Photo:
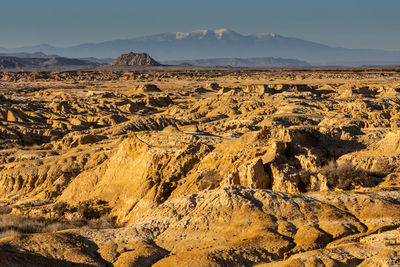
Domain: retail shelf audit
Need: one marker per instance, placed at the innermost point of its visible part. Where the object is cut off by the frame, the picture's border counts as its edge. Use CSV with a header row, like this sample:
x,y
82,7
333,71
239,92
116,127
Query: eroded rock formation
x,y
135,59
201,167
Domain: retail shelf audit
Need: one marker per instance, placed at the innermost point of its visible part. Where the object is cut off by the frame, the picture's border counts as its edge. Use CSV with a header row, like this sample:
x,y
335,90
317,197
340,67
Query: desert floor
x,y
200,167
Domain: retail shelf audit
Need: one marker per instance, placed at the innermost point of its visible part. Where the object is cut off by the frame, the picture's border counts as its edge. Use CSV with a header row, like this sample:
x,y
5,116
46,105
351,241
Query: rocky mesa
x,y
135,59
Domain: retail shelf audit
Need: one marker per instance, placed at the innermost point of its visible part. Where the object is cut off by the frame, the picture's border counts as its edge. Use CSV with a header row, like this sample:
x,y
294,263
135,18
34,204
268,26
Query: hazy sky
x,y
346,23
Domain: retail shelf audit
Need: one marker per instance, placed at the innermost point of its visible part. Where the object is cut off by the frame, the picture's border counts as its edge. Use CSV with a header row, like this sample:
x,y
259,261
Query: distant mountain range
x,y
12,62
267,62
40,60
222,43
27,55
42,55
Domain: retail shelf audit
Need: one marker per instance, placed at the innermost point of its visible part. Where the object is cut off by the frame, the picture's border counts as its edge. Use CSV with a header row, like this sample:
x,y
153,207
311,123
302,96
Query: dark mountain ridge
x,y
266,62
8,62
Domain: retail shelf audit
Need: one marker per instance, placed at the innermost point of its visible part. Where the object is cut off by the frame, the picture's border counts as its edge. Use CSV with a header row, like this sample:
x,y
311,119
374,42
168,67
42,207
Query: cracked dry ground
x,y
200,168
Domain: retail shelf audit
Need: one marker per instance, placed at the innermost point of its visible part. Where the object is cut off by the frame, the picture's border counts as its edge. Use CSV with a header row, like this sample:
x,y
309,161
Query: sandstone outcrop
x,y
135,59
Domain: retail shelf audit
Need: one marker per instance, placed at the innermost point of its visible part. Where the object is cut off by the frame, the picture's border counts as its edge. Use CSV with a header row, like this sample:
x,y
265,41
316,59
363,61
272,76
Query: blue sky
x,y
346,23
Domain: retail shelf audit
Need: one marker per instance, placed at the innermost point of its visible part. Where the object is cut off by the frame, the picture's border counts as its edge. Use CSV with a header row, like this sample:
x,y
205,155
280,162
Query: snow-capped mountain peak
x,y
267,35
221,32
201,34
181,35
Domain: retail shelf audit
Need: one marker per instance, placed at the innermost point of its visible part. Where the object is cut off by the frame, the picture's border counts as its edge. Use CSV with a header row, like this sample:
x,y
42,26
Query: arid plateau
x,y
190,166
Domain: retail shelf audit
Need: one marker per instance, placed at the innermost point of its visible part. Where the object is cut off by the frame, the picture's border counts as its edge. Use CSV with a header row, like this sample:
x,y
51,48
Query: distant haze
x,y
344,23
223,43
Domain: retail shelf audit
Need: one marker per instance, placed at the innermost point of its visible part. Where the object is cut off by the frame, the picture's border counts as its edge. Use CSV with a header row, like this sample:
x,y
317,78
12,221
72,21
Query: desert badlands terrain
x,y
200,167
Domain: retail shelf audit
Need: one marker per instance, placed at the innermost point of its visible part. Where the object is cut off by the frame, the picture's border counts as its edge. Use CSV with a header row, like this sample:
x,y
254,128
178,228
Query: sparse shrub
x,y
60,208
5,209
91,211
344,176
91,215
8,233
103,222
20,224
